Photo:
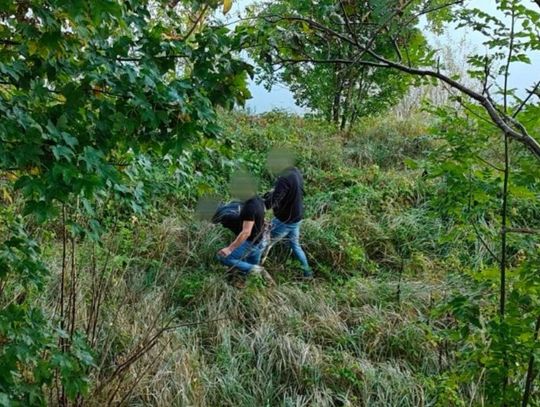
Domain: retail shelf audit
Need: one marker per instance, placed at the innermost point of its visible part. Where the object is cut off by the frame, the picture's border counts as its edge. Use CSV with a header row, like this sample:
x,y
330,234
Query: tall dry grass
x,y
167,329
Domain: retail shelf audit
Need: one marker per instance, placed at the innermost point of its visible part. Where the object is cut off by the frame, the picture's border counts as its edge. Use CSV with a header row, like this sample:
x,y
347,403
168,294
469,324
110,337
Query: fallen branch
x,y
523,230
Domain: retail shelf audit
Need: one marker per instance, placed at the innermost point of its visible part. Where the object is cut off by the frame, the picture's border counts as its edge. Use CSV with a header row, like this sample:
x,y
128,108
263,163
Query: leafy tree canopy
x,y
85,88
383,34
83,83
316,63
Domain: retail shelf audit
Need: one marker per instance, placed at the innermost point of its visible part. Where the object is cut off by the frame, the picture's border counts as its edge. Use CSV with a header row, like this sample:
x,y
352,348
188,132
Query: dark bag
x,y
228,215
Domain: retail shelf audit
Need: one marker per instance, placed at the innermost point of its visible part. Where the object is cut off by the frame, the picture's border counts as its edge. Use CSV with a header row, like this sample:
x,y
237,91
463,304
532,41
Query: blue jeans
x,y
244,257
290,232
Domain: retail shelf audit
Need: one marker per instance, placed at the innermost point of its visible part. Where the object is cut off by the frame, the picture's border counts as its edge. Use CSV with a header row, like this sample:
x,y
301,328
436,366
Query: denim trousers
x,y
244,257
291,233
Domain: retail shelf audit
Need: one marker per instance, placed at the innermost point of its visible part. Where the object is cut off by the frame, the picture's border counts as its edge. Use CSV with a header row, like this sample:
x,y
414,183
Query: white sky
x,y
522,75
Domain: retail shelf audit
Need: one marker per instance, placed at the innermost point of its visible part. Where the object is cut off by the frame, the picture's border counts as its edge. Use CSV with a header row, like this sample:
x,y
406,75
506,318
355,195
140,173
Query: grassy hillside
x,y
166,329
118,117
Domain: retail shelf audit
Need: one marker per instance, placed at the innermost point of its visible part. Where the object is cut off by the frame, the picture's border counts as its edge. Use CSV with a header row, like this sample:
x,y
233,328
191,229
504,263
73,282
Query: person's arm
x,y
247,226
274,198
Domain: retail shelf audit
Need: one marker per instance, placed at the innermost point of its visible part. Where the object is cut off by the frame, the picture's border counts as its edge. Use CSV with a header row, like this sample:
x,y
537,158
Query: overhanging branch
x,y
506,123
501,121
326,61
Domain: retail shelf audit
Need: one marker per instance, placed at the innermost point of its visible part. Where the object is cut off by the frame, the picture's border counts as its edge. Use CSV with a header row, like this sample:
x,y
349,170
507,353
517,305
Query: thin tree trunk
x,y
64,265
61,396
336,104
504,215
530,370
509,58
73,294
398,291
346,107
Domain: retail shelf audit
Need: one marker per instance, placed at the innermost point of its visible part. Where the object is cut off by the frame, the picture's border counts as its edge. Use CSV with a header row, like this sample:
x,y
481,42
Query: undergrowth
x,y
367,332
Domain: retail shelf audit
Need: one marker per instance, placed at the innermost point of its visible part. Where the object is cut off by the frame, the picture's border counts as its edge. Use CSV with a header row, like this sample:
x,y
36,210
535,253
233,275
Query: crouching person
x,y
244,253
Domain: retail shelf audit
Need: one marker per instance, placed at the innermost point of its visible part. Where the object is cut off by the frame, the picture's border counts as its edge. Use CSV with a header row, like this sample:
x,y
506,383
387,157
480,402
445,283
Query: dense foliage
x,y
510,33
317,65
85,88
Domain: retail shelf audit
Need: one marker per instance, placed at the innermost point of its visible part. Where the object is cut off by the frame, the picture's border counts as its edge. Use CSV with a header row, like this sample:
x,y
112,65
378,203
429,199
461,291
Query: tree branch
x,y
509,58
396,47
483,242
489,164
326,61
500,120
432,10
138,59
526,231
526,100
346,16
313,24
196,23
9,42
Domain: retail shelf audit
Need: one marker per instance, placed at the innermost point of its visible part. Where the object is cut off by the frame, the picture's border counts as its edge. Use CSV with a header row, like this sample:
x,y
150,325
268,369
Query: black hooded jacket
x,y
286,199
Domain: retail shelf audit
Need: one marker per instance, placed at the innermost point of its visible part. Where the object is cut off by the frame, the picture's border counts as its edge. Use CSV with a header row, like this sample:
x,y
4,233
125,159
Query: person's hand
x,y
225,252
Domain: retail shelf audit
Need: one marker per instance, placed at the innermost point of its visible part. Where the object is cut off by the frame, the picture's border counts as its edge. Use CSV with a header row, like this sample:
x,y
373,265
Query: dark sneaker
x,y
231,275
239,282
308,275
234,277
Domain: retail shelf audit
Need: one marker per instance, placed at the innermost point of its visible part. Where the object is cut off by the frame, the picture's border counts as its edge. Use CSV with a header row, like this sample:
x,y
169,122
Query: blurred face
x,y
206,207
243,186
279,159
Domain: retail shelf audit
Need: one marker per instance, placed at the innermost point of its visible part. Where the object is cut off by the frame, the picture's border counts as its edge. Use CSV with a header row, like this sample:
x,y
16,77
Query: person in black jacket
x,y
286,201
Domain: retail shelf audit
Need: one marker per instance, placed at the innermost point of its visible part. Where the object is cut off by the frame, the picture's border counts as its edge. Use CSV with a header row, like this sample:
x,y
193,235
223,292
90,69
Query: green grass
x,y
345,339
